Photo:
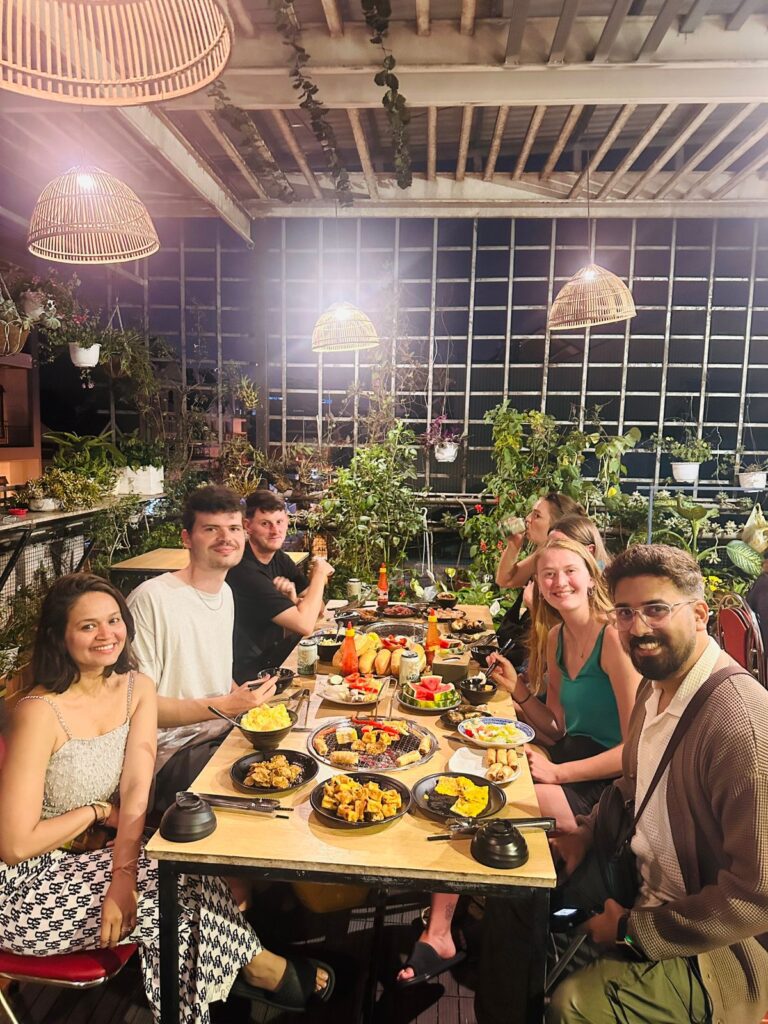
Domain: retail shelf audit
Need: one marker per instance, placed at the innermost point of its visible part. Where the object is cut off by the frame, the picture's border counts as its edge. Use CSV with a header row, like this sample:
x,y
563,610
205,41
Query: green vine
x,y
377,14
255,151
321,127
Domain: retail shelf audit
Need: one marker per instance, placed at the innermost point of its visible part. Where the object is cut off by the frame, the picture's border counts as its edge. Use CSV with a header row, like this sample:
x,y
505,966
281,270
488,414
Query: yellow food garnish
x,y
266,718
472,799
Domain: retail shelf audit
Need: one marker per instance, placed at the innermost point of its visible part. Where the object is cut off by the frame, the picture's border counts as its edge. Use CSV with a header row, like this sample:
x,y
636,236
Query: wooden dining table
x,y
302,847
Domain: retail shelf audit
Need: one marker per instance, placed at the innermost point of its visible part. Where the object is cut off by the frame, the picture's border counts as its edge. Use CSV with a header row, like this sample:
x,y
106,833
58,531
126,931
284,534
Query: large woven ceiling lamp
x,y
593,295
111,52
88,216
343,328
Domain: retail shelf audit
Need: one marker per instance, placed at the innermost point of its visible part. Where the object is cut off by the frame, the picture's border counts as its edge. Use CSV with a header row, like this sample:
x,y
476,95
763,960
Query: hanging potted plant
x,y
25,304
752,477
444,441
686,455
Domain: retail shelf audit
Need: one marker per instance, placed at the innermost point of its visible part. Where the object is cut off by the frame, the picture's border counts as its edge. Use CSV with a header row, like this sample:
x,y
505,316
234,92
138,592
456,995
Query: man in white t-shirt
x,y
184,626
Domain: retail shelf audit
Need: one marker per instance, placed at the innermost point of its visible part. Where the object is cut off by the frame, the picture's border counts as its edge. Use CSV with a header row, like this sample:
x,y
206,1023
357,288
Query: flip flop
x,y
426,963
295,990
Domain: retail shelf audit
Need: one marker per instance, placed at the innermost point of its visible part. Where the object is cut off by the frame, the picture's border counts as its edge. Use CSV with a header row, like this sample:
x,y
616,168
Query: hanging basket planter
x,y
753,481
12,339
446,451
84,358
686,472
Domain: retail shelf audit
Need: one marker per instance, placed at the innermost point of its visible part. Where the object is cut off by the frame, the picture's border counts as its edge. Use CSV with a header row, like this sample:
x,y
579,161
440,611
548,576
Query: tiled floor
x,y
343,939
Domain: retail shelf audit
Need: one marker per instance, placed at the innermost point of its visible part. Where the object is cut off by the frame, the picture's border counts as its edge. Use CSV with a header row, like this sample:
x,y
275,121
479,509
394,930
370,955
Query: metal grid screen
x,y
468,301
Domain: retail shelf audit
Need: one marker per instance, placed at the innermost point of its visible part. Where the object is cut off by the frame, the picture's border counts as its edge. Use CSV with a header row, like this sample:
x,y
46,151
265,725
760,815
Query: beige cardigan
x,y
717,796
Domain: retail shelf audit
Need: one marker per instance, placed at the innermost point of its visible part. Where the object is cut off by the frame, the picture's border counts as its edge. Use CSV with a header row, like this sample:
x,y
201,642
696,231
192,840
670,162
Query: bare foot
x,y
443,945
267,971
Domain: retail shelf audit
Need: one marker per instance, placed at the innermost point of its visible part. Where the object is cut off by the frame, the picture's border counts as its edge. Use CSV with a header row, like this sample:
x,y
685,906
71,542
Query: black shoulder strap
x,y
692,709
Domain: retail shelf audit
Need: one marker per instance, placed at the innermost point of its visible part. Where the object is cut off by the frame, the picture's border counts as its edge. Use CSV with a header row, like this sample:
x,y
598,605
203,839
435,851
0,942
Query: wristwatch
x,y
626,941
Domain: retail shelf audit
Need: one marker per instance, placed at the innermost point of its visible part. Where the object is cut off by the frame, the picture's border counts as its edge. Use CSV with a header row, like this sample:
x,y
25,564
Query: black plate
x,y
316,799
472,713
496,797
239,770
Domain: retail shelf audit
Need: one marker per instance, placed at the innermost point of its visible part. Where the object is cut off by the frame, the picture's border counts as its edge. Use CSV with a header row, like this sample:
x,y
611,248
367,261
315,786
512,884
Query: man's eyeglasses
x,y
655,614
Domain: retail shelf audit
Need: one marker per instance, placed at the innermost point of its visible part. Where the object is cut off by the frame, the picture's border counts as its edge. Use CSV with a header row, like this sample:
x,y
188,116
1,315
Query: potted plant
x,y
752,477
686,455
24,304
144,471
35,494
444,441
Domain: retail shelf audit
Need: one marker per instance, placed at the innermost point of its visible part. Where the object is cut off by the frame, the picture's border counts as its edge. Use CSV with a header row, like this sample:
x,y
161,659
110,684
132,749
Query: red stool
x,y
85,969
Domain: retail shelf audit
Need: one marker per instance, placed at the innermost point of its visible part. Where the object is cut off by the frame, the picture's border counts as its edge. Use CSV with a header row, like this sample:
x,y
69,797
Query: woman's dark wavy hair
x,y
52,665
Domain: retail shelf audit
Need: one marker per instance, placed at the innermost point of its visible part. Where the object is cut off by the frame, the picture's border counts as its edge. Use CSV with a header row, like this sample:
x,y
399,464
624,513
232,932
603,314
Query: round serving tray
x,y
386,762
316,800
239,770
397,627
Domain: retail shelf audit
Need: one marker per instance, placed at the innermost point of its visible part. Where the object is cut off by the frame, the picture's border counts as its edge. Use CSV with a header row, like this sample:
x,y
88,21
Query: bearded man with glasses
x,y
694,946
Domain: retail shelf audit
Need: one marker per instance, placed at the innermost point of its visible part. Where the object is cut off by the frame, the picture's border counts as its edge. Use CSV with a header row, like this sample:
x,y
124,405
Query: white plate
x,y
527,733
472,762
326,691
335,603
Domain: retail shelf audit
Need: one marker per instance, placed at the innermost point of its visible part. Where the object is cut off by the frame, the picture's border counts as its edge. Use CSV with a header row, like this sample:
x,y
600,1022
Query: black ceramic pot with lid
x,y
499,844
188,819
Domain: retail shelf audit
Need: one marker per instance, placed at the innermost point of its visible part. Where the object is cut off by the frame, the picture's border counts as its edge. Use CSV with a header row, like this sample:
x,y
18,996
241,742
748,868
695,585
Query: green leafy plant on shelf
x,y
69,488
95,457
371,510
690,449
138,452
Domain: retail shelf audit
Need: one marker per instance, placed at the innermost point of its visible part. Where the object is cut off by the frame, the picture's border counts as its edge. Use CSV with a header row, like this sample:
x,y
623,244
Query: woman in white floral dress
x,y
82,739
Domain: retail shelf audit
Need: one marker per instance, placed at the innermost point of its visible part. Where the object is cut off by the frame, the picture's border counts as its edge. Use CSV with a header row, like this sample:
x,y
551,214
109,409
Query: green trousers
x,y
618,991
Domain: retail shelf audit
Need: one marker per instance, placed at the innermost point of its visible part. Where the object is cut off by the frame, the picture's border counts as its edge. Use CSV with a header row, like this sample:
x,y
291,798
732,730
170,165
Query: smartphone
x,y
566,918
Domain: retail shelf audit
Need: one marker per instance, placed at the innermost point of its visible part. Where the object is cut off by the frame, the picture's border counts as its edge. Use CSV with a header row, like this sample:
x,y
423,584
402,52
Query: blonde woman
x,y
591,685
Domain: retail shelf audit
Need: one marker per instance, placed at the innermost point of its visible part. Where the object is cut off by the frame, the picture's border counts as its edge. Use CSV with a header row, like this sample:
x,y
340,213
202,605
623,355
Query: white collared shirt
x,y
652,843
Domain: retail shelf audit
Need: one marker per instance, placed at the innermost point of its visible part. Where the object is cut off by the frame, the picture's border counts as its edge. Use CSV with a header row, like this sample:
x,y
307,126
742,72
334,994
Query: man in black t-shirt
x,y
272,596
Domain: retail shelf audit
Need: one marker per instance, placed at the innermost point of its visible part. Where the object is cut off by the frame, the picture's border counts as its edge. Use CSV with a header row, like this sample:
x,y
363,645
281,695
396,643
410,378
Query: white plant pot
x,y
146,480
754,481
686,472
43,504
446,451
83,358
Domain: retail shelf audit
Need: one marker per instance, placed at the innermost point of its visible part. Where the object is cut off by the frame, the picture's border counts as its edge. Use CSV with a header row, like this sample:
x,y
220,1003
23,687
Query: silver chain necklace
x,y
211,607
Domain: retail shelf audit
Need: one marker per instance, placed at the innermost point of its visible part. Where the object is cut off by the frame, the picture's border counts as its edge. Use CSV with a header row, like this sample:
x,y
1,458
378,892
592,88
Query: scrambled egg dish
x,y
266,718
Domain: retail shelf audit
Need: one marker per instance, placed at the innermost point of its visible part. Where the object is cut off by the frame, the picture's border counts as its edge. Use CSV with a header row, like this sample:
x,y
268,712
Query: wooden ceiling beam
x,y
664,19
530,137
422,17
695,16
431,143
466,130
495,147
333,18
746,172
706,149
730,158
281,122
682,137
467,21
597,157
516,30
233,153
157,131
642,143
363,153
611,30
738,19
561,141
565,23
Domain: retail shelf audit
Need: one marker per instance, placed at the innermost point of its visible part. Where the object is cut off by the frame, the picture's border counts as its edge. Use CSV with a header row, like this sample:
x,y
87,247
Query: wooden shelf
x,y
20,360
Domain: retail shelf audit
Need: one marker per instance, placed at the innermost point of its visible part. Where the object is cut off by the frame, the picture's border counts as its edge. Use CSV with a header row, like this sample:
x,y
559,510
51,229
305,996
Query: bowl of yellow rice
x,y
265,727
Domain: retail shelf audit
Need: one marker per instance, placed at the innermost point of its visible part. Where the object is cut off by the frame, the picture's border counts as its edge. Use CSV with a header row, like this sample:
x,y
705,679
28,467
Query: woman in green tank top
x,y
591,685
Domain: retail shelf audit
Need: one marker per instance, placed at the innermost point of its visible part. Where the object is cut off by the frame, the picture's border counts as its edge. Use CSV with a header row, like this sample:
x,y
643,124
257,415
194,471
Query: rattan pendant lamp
x,y
592,296
343,328
88,216
111,52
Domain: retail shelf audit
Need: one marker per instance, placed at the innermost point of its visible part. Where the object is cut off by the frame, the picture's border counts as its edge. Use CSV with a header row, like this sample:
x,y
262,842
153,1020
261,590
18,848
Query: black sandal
x,y
296,988
426,963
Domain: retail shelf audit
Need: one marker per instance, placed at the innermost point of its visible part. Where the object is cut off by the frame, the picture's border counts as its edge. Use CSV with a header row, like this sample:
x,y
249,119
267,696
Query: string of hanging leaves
x,y
377,14
316,110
